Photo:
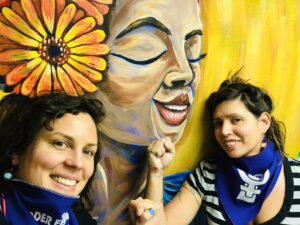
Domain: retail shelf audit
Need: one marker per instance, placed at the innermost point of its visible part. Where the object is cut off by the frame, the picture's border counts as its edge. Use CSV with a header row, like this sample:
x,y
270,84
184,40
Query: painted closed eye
x,y
142,46
193,49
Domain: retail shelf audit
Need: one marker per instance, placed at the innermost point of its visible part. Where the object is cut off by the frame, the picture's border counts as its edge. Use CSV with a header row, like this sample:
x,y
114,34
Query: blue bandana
x,y
32,205
243,184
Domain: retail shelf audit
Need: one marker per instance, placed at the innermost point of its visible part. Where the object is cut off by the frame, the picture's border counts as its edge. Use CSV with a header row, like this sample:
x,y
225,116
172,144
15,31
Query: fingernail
x,y
151,211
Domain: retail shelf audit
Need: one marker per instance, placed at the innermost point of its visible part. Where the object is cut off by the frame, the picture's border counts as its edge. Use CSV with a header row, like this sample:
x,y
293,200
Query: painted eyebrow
x,y
193,33
148,21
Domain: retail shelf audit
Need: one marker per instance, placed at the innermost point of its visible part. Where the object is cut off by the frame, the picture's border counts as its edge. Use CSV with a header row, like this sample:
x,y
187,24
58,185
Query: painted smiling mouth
x,y
175,111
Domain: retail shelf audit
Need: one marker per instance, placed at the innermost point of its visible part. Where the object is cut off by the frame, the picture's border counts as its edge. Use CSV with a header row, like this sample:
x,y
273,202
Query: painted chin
x,y
174,112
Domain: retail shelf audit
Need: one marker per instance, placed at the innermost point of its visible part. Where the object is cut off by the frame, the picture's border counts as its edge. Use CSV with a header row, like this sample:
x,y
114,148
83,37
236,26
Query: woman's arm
x,y
181,210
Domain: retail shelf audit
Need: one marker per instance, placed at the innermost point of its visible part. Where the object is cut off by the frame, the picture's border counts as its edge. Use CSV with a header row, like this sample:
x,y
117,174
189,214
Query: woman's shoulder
x,y
294,164
209,164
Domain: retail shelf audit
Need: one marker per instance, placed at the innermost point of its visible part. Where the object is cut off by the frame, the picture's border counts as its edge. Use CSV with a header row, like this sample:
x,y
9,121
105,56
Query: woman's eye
x,y
217,123
60,144
89,152
236,120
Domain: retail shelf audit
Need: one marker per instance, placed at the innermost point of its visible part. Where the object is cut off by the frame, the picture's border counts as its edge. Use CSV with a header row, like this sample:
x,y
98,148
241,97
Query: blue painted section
x,y
172,184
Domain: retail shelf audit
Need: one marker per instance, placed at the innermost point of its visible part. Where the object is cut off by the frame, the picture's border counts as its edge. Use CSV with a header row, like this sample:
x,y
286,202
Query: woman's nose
x,y
226,128
74,160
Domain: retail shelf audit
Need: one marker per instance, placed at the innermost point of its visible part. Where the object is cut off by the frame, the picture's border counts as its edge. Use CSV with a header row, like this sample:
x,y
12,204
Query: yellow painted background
x,y
262,37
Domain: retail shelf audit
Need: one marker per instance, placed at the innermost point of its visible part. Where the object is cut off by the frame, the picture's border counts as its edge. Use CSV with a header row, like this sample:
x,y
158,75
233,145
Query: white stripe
x,y
214,213
295,169
296,195
290,221
297,181
210,222
295,208
212,199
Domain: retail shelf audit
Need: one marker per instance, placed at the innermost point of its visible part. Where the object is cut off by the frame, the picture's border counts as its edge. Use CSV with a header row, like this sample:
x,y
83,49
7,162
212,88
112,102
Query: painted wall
x,y
259,38
262,38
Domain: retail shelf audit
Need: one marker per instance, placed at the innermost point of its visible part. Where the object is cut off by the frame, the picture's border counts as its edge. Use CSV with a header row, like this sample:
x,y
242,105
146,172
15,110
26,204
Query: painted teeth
x,y
176,107
64,181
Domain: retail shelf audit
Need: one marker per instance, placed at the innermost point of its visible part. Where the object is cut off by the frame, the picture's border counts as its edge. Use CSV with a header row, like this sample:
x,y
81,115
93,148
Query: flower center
x,y
54,50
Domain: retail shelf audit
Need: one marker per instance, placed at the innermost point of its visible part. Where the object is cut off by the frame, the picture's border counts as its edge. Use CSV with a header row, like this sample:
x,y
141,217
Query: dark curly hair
x,y
255,99
21,119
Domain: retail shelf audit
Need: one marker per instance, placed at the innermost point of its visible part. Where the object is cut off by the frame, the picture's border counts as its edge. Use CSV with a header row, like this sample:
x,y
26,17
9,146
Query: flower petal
x,y
48,13
78,88
96,49
90,73
4,69
91,10
66,82
21,71
17,8
20,24
17,89
85,83
30,81
32,16
104,1
94,37
65,19
45,82
91,61
102,8
16,36
81,27
17,55
56,85
60,5
4,3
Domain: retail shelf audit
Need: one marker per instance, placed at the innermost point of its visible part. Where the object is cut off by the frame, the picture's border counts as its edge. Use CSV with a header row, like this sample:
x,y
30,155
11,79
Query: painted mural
x,y
152,63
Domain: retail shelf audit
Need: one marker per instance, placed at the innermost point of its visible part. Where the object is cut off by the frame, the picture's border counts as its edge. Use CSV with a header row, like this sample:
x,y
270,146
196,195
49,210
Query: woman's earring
x,y
264,142
7,175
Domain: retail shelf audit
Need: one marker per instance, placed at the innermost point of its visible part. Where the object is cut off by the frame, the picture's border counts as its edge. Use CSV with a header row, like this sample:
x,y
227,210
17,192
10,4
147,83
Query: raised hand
x,y
143,211
160,154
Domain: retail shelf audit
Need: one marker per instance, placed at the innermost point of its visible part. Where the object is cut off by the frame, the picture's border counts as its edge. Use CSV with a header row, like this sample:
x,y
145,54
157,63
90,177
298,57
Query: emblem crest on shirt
x,y
249,190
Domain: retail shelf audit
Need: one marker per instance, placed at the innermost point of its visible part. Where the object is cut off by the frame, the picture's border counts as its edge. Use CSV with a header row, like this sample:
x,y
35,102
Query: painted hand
x,y
160,154
143,211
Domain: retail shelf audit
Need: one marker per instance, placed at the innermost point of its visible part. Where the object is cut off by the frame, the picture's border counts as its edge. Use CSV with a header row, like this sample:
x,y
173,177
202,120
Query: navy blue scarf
x,y
32,205
243,184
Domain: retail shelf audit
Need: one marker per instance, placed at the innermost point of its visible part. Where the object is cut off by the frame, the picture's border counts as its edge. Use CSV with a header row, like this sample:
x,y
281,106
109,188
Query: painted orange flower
x,y
51,46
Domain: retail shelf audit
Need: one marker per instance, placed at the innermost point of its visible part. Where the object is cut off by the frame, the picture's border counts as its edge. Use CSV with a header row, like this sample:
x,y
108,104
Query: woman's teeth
x,y
64,181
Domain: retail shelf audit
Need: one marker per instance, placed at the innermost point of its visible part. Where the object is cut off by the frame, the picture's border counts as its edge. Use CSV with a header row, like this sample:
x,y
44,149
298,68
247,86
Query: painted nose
x,y
177,79
75,160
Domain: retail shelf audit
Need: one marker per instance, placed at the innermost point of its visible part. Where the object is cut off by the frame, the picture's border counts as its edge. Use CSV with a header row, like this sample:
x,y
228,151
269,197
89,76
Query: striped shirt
x,y
203,181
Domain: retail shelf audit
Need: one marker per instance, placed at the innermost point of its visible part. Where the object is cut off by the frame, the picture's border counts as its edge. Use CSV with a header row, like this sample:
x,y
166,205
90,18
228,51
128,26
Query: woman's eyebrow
x,y
148,21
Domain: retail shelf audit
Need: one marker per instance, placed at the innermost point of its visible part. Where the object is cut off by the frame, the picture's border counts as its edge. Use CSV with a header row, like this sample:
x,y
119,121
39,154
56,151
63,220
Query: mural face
x,y
153,69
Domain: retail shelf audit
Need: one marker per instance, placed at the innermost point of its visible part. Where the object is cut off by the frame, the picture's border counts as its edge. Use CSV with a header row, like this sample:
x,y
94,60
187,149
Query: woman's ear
x,y
15,159
265,121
